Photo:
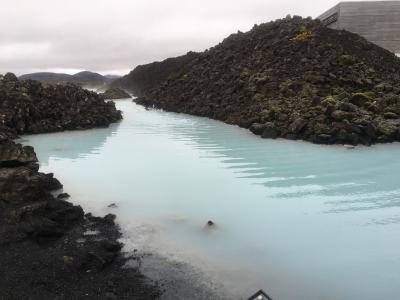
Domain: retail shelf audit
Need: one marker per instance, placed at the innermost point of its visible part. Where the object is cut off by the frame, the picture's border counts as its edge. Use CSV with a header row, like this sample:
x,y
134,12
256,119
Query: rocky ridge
x,y
114,93
44,249
29,107
291,78
146,77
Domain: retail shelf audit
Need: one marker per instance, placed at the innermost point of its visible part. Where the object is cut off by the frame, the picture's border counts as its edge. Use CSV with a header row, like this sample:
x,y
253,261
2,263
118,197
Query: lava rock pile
x,y
292,78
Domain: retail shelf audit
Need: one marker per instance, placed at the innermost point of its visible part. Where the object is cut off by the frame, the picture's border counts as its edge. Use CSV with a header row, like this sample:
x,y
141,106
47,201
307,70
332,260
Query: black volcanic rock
x,y
291,78
27,206
45,253
114,93
29,107
146,77
13,155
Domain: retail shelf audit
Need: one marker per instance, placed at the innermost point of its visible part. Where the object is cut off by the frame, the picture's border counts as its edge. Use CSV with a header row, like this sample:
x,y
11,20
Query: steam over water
x,y
300,221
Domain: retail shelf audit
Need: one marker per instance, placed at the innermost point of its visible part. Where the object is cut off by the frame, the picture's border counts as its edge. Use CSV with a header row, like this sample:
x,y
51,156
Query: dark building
x,y
377,21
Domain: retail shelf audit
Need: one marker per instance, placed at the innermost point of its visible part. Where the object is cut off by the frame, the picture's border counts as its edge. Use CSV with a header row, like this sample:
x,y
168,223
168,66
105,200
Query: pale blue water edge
x,y
301,221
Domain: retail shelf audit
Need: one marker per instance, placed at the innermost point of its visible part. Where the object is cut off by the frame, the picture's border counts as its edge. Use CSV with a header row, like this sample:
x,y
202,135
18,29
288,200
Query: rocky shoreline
x,y
292,78
47,246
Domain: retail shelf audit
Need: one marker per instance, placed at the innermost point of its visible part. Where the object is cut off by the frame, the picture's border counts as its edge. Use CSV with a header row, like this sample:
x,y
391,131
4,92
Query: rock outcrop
x,y
44,251
29,107
114,93
291,78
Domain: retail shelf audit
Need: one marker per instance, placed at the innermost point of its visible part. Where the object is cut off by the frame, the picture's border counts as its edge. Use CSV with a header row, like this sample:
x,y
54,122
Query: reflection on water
x,y
70,145
301,221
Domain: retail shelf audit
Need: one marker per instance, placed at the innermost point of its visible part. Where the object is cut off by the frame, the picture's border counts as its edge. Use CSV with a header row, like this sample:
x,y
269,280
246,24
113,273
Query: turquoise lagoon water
x,y
300,221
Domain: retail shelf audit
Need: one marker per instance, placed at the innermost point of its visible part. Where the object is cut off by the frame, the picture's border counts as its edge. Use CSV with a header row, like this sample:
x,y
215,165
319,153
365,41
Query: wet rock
x,y
257,128
111,246
109,219
270,132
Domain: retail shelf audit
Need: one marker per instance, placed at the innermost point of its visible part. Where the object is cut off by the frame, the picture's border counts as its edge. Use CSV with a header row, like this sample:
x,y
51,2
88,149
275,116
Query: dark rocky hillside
x,y
44,252
29,107
146,77
291,78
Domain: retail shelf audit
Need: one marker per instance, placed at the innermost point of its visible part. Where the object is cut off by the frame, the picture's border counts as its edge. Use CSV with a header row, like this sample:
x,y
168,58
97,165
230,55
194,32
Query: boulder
x,y
270,132
360,99
114,93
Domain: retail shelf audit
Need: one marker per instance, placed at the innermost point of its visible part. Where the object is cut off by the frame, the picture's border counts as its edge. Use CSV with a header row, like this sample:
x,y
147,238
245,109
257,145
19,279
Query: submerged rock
x,y
210,223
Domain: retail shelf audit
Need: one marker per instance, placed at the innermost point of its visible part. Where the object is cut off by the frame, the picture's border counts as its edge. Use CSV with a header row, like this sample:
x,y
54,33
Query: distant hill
x,y
46,76
81,78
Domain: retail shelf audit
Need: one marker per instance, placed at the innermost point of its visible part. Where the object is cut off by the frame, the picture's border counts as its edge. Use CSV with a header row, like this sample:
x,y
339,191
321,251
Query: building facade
x,y
377,21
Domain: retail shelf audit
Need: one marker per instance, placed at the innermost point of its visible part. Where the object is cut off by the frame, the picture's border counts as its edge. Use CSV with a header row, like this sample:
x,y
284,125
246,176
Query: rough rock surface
x,y
291,78
146,77
29,107
44,251
114,93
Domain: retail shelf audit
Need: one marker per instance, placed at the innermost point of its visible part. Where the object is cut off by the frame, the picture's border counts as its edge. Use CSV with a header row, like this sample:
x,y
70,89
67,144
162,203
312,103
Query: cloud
x,y
116,35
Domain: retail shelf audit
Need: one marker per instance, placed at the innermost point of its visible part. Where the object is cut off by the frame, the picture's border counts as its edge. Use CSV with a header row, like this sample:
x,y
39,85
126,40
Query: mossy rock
x,y
388,128
329,100
372,107
302,36
361,99
391,115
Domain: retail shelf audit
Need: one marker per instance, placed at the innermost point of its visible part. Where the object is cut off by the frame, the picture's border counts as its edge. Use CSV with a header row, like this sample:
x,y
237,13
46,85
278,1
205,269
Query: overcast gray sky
x,y
113,36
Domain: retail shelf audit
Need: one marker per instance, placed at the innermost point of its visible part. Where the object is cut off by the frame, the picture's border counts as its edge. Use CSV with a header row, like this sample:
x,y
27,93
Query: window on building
x,y
331,19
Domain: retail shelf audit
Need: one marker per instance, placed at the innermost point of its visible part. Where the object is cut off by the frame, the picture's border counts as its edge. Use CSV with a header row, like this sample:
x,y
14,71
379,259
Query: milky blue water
x,y
301,221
